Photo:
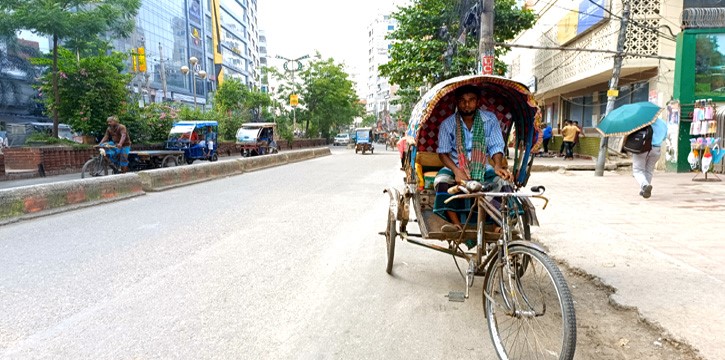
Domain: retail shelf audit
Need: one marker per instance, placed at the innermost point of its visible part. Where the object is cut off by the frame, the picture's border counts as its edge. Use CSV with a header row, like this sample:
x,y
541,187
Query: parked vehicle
x,y
364,140
196,140
342,139
187,141
257,139
17,133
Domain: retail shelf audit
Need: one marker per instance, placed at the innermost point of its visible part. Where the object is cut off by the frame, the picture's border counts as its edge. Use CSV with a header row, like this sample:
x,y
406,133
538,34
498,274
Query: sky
x,y
335,28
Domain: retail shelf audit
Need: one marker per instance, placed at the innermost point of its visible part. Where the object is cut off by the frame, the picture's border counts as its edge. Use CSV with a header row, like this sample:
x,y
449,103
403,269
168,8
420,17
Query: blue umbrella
x,y
629,118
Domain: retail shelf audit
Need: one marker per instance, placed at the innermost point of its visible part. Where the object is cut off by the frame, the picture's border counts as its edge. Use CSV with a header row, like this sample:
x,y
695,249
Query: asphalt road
x,y
279,263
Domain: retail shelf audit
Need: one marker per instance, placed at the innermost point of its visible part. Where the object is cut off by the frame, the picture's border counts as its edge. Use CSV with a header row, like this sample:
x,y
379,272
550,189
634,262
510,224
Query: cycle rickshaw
x,y
526,301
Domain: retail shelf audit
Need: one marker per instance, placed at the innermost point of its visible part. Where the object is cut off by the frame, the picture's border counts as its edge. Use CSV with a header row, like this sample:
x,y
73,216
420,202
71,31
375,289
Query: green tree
x,y
329,96
427,47
67,20
91,89
236,104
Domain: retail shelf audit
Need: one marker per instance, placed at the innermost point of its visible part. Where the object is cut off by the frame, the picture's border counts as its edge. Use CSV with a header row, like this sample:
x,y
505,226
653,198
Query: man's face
x,y
467,104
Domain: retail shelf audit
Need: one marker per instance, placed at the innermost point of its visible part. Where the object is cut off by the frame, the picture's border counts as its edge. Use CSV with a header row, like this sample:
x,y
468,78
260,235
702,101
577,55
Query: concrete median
x,y
263,161
167,178
32,201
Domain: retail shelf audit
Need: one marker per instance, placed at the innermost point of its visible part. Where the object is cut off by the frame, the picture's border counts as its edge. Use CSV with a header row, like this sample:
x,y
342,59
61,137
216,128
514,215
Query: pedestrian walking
x,y
643,164
569,133
547,135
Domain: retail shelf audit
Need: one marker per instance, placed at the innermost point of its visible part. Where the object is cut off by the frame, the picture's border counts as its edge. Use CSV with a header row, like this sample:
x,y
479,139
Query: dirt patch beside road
x,y
606,331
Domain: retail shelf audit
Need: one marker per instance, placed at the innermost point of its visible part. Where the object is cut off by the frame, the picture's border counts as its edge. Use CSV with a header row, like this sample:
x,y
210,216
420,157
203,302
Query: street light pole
x,y
194,73
295,65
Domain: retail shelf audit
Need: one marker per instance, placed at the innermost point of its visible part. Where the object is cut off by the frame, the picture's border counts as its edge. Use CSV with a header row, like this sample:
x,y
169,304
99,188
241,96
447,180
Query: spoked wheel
x,y
530,316
214,157
94,167
390,234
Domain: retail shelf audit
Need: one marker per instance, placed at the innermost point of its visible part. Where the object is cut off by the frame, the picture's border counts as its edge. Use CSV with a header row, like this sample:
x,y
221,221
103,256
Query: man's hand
x,y
460,175
119,145
503,173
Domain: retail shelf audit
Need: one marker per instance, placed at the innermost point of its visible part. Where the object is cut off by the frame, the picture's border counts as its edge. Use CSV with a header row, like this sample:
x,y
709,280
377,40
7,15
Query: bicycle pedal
x,y
456,296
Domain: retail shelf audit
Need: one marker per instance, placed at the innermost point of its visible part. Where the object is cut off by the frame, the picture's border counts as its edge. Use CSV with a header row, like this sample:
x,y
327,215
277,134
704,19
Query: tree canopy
x,y
73,20
430,43
329,96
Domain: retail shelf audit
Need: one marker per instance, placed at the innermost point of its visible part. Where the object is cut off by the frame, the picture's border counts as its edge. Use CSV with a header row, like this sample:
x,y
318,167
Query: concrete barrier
x,y
299,155
263,161
32,201
322,151
38,200
167,178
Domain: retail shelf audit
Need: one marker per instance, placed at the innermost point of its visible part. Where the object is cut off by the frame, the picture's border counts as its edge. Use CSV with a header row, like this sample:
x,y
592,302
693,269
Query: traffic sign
x,y
293,100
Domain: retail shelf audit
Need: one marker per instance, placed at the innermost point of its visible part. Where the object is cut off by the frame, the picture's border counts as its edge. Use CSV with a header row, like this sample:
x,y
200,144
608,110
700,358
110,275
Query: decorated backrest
x,y
511,102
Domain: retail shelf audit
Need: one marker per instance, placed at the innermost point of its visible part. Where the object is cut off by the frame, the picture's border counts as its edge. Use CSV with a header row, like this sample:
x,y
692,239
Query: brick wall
x,y
2,165
23,158
65,160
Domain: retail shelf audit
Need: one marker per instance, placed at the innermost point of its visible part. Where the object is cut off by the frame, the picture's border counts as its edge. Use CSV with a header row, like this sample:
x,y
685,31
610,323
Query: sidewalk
x,y
664,256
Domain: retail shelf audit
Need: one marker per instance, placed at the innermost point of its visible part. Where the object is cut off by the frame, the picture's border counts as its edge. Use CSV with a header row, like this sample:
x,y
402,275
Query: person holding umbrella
x,y
627,121
643,164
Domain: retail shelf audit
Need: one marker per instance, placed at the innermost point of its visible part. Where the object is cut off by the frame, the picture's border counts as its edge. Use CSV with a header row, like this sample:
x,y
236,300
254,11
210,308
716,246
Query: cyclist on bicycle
x,y
117,133
477,134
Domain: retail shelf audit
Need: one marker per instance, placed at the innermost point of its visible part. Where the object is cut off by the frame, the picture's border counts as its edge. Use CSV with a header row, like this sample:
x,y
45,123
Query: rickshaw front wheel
x,y
536,302
189,161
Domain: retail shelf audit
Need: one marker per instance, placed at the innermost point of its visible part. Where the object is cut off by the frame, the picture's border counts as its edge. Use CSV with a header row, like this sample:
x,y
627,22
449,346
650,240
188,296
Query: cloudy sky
x,y
335,28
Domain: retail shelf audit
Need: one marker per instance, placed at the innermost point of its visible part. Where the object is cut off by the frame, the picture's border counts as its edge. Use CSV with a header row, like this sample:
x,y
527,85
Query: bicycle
x,y
101,163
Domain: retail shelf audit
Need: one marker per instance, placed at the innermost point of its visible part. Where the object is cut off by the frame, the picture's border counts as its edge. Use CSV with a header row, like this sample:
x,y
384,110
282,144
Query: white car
x,y
341,139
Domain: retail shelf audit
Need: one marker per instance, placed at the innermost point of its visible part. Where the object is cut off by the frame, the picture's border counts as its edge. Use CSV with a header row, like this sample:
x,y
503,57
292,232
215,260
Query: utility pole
x,y
486,43
293,65
612,93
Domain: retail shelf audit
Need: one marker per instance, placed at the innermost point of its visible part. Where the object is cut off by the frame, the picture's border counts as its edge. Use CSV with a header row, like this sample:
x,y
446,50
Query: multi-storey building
x,y
171,32
379,91
572,84
263,62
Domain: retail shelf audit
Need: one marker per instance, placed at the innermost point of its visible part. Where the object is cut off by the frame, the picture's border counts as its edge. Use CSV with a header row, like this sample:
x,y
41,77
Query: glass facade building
x,y
172,31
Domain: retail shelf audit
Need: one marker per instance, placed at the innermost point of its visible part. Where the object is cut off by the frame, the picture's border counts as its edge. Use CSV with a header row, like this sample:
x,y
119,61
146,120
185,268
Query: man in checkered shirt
x,y
467,98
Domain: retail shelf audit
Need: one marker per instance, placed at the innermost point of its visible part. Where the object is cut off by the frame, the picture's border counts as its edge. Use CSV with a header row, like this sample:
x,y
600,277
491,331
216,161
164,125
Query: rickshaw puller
x,y
476,133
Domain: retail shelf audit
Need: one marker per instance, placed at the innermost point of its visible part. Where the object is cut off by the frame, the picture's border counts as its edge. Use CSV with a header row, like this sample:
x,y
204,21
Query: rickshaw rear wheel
x,y
214,157
189,161
390,235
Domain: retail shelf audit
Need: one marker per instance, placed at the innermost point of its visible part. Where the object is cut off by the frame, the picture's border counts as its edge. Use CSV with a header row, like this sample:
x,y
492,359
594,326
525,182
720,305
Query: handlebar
x,y
473,189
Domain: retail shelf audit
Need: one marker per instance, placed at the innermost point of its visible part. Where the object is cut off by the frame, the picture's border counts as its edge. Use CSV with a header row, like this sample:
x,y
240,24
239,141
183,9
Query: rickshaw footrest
x,y
456,296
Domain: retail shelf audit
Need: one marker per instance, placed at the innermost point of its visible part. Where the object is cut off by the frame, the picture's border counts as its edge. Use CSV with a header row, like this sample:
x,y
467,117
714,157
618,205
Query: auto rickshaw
x,y
257,139
364,140
197,139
